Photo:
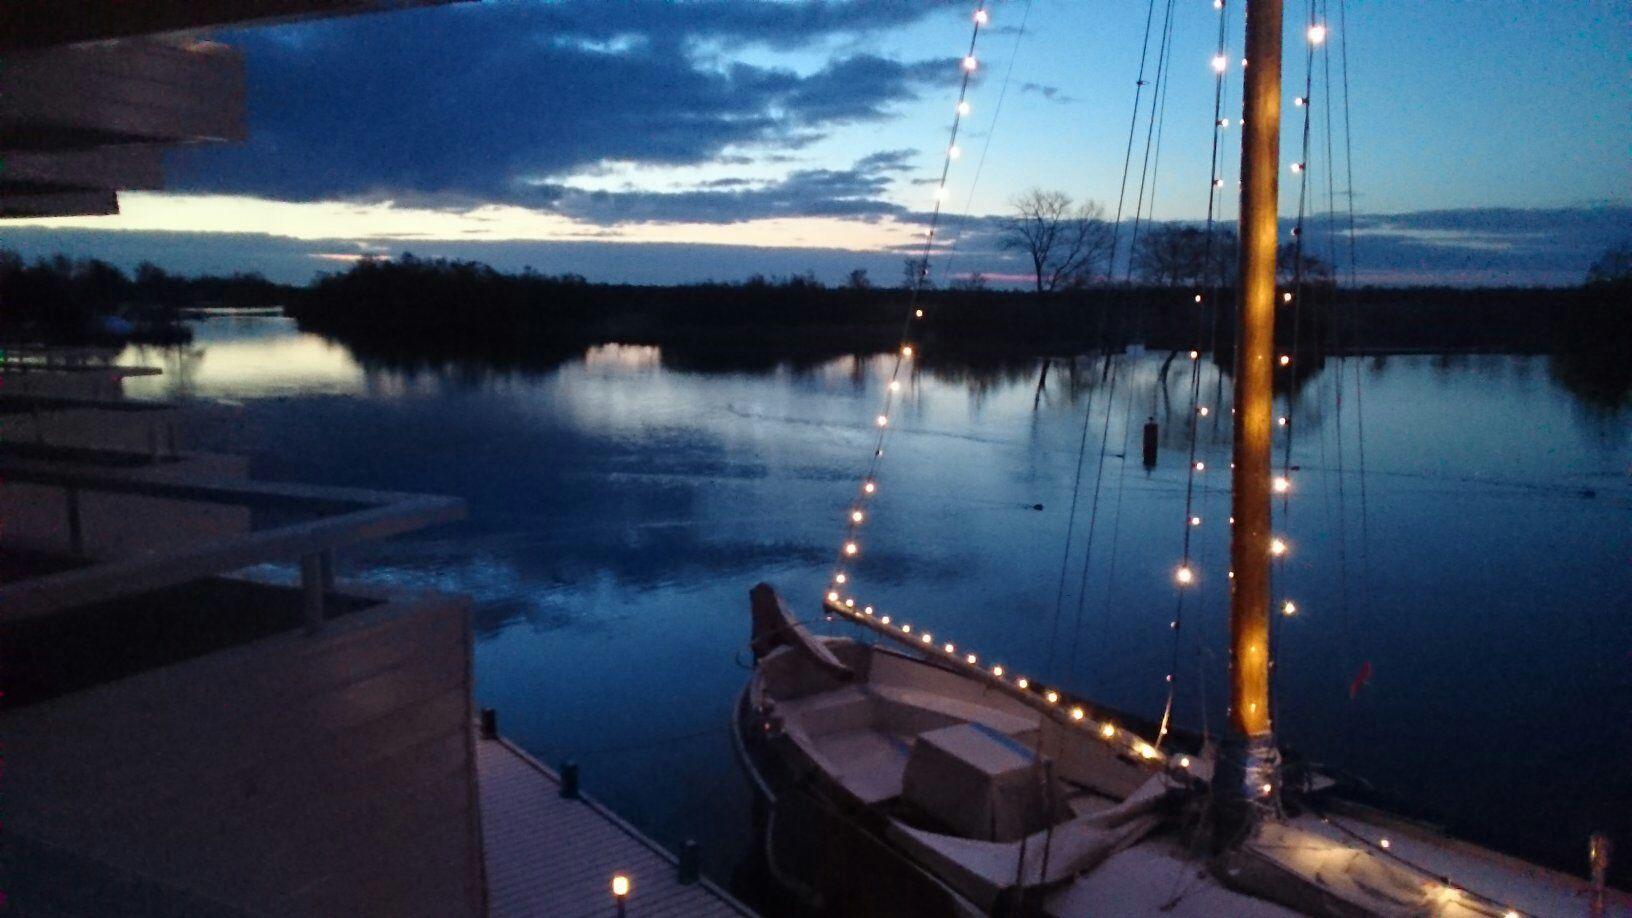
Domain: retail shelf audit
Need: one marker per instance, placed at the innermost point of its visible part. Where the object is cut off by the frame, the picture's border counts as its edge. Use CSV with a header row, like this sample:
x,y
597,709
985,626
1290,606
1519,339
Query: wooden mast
x,y
1252,766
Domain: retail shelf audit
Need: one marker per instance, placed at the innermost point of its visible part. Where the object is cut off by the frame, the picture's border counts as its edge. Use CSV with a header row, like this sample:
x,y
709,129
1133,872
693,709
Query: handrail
x,y
350,516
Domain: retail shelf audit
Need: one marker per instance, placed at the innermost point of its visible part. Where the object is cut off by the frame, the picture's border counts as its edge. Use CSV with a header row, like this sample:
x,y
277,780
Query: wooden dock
x,y
548,855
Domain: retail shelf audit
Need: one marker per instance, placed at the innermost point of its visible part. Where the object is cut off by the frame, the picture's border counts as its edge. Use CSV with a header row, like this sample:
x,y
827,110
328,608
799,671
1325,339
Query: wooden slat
x,y
546,855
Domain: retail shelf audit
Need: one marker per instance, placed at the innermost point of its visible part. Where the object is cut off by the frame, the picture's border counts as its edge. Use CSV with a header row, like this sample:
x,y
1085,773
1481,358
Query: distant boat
x,y
921,781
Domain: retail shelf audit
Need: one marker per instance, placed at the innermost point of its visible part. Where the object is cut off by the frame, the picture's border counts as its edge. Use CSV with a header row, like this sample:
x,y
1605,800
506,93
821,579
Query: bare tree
x,y
1177,256
1066,244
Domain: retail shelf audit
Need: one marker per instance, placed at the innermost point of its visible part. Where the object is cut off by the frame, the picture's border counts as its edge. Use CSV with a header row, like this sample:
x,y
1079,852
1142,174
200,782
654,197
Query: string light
x,y
970,659
1286,359
832,596
1383,843
953,152
882,420
998,671
884,620
1184,761
969,63
1184,576
1052,696
1023,682
1202,410
1297,167
895,385
906,629
949,648
1281,421
1195,521
839,578
851,548
1282,485
981,18
1289,609
918,313
1108,730
926,637
1220,63
964,108
1078,714
1317,34
1195,354
1277,547
867,611
906,350
1201,466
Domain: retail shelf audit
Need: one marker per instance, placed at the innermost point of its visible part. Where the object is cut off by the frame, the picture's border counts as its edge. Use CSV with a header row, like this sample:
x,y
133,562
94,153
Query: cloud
x,y
1051,93
491,103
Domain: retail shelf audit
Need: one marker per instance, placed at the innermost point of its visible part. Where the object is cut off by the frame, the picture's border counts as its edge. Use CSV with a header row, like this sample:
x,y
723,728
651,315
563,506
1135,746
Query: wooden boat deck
x,y
549,855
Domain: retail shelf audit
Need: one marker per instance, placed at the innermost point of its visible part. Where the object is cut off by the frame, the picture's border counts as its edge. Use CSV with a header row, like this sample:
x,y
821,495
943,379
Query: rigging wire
x,y
1127,157
1162,62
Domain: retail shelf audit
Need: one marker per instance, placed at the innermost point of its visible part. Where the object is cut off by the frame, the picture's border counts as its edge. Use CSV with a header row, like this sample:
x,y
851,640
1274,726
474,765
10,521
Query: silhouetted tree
x,y
1065,244
858,280
1316,272
1613,268
915,273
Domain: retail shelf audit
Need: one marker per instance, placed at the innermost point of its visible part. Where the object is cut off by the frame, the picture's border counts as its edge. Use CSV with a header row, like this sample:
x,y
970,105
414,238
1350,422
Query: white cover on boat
x,y
982,870
977,782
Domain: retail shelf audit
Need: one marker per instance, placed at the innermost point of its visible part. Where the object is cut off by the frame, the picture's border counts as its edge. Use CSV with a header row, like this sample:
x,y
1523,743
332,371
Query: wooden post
x,y
1252,762
311,591
76,533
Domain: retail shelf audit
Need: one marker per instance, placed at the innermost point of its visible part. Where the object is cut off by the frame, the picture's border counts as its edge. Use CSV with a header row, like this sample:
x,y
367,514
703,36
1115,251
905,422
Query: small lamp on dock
x,y
620,891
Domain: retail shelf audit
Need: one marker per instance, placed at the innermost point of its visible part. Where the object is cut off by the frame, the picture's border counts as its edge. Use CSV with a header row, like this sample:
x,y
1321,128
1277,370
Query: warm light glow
x,y
832,597
856,516
926,638
1299,101
840,578
1289,608
1286,297
1267,789
1198,299
963,108
1023,682
1277,547
869,487
906,629
1220,62
998,671
1107,730
850,603
1201,466
1146,750
1223,122
1195,521
885,620
1203,410
1184,575
1383,843
620,885
969,63
906,350
1217,183
949,648
1052,696
1184,761
1281,484
918,313
1078,713
981,18
882,420
851,548
970,659
867,611
1286,359
1195,354
1317,34
1281,421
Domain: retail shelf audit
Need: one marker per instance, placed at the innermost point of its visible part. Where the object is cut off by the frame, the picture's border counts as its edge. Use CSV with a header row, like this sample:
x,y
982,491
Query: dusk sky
x,y
650,141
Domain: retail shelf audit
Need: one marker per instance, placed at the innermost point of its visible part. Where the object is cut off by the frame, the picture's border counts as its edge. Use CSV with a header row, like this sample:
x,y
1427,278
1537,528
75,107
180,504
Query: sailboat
x,y
907,777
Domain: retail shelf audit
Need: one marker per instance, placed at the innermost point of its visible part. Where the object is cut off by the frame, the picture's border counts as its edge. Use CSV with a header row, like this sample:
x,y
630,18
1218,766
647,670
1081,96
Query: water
x,y
622,503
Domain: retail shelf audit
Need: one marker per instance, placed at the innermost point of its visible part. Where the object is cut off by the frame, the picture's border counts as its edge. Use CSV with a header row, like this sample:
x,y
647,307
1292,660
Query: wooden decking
x,y
551,856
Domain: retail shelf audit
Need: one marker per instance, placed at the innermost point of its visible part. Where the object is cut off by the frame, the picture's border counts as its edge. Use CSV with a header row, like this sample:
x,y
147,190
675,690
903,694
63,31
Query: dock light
x,y
949,648
867,611
869,487
926,638
1184,576
1107,730
1317,34
918,313
1052,696
1220,62
906,629
997,671
1078,713
1023,682
620,891
963,108
981,18
1184,761
849,603
1195,354
832,596
1277,547
856,516
1289,608
1146,751
969,63
1267,789
851,548
906,350
1281,484
953,152
885,620
970,659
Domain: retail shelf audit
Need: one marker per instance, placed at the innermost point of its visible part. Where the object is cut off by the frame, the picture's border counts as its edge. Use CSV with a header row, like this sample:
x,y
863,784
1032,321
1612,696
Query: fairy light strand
x,y
856,514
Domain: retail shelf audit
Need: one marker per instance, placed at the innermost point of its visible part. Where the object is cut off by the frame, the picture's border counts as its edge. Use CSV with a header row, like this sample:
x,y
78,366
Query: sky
x,y
650,141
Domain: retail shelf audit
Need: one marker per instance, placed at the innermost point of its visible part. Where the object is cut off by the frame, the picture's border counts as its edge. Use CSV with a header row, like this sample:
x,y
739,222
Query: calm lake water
x,y
622,503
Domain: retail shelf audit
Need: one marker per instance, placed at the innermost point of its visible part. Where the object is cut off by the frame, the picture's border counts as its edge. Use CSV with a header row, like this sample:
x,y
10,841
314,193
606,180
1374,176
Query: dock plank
x,y
547,855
